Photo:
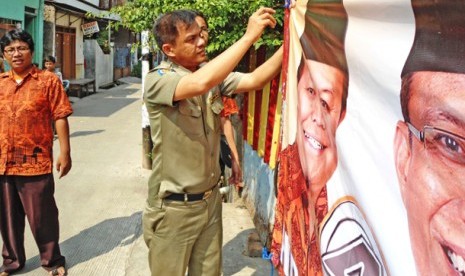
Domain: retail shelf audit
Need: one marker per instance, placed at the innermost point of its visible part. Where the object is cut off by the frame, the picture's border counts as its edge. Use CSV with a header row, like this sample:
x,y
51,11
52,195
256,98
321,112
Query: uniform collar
x,y
173,67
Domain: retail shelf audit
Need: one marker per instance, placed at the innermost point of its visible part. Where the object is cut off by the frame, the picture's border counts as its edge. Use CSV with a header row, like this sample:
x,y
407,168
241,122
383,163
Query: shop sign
x,y
90,28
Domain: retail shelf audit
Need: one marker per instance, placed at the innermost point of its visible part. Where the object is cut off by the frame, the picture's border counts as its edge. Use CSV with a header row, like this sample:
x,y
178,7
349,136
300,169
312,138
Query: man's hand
x,y
236,174
258,21
63,164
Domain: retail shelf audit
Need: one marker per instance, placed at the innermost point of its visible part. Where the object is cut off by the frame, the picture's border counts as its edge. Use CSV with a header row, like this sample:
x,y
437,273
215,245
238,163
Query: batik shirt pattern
x,y
27,110
293,219
230,107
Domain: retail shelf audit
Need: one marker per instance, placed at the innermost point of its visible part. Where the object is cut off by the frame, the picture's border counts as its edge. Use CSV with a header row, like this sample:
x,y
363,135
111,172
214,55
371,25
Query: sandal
x,y
59,271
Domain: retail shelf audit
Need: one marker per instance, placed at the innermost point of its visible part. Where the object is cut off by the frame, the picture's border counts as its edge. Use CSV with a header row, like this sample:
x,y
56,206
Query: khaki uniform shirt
x,y
185,134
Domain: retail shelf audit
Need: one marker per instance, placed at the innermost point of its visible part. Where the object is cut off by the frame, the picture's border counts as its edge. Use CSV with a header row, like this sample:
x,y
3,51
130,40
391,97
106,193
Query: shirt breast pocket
x,y
190,119
37,96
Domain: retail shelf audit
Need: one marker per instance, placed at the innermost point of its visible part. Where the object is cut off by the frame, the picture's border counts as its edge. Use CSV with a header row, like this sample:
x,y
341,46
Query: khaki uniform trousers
x,y
185,236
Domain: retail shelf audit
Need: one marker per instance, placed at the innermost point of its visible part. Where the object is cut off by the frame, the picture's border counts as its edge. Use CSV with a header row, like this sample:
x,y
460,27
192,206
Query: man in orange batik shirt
x,y
30,101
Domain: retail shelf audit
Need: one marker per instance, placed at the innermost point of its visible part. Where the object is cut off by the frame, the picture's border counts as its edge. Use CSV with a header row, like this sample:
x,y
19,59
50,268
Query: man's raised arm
x,y
218,68
262,74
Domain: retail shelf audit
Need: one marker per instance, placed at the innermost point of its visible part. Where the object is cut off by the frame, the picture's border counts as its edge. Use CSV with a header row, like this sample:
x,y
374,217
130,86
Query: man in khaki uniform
x,y
182,220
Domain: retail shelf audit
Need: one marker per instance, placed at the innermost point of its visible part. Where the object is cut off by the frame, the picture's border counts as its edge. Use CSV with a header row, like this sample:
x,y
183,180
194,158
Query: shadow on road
x,y
235,261
97,240
99,108
105,103
85,133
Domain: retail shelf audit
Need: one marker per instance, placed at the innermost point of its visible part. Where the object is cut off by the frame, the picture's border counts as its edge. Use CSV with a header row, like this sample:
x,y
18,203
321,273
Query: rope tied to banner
x,y
287,4
267,256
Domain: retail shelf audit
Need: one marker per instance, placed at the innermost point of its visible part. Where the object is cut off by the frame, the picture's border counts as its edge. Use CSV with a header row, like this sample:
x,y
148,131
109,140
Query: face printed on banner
x,y
430,163
320,89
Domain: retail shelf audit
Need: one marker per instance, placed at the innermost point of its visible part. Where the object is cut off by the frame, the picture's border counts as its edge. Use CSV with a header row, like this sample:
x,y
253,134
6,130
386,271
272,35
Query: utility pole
x,y
146,137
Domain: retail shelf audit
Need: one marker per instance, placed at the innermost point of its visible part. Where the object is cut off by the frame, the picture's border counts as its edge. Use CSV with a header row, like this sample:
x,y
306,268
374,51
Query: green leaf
x,y
227,19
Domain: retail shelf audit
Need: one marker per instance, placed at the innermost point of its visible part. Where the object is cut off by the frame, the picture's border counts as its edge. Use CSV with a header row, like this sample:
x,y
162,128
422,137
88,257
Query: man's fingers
x,y
258,21
63,167
266,15
263,10
232,180
63,173
238,178
59,170
64,170
271,21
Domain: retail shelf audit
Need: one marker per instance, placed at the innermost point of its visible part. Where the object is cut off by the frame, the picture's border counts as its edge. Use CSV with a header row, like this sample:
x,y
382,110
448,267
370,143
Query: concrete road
x,y
102,198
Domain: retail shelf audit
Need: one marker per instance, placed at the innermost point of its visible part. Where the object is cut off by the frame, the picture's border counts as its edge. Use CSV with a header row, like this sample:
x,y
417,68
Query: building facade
x,y
27,15
64,36
76,33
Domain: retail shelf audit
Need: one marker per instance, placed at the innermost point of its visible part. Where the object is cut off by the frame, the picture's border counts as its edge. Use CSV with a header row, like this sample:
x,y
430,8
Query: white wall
x,y
103,66
99,65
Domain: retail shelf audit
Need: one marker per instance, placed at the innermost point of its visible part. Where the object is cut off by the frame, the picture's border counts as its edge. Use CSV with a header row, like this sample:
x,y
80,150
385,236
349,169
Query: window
x,y
7,25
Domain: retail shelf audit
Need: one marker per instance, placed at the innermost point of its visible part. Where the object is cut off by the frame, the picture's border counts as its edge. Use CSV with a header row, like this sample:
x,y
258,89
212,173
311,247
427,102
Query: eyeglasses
x,y
21,49
442,143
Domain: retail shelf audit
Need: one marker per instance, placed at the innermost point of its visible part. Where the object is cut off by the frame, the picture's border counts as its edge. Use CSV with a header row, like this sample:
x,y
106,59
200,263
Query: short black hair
x,y
14,35
50,59
165,28
200,14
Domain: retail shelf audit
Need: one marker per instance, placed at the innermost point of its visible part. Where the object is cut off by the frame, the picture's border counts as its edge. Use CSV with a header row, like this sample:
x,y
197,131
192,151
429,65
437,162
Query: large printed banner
x,y
371,165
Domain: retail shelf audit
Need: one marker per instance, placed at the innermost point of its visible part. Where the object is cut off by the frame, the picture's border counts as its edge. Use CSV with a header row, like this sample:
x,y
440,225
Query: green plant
x,y
102,40
137,70
139,15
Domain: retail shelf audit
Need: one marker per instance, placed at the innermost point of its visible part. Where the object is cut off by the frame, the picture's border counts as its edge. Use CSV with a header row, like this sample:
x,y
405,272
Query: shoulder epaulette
x,y
163,71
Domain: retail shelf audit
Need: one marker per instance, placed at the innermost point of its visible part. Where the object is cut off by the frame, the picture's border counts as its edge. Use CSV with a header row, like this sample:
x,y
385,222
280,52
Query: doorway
x,y
65,47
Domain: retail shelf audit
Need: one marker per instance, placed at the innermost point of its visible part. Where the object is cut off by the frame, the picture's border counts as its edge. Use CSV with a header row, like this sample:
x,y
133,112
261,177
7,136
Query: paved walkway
x,y
102,198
